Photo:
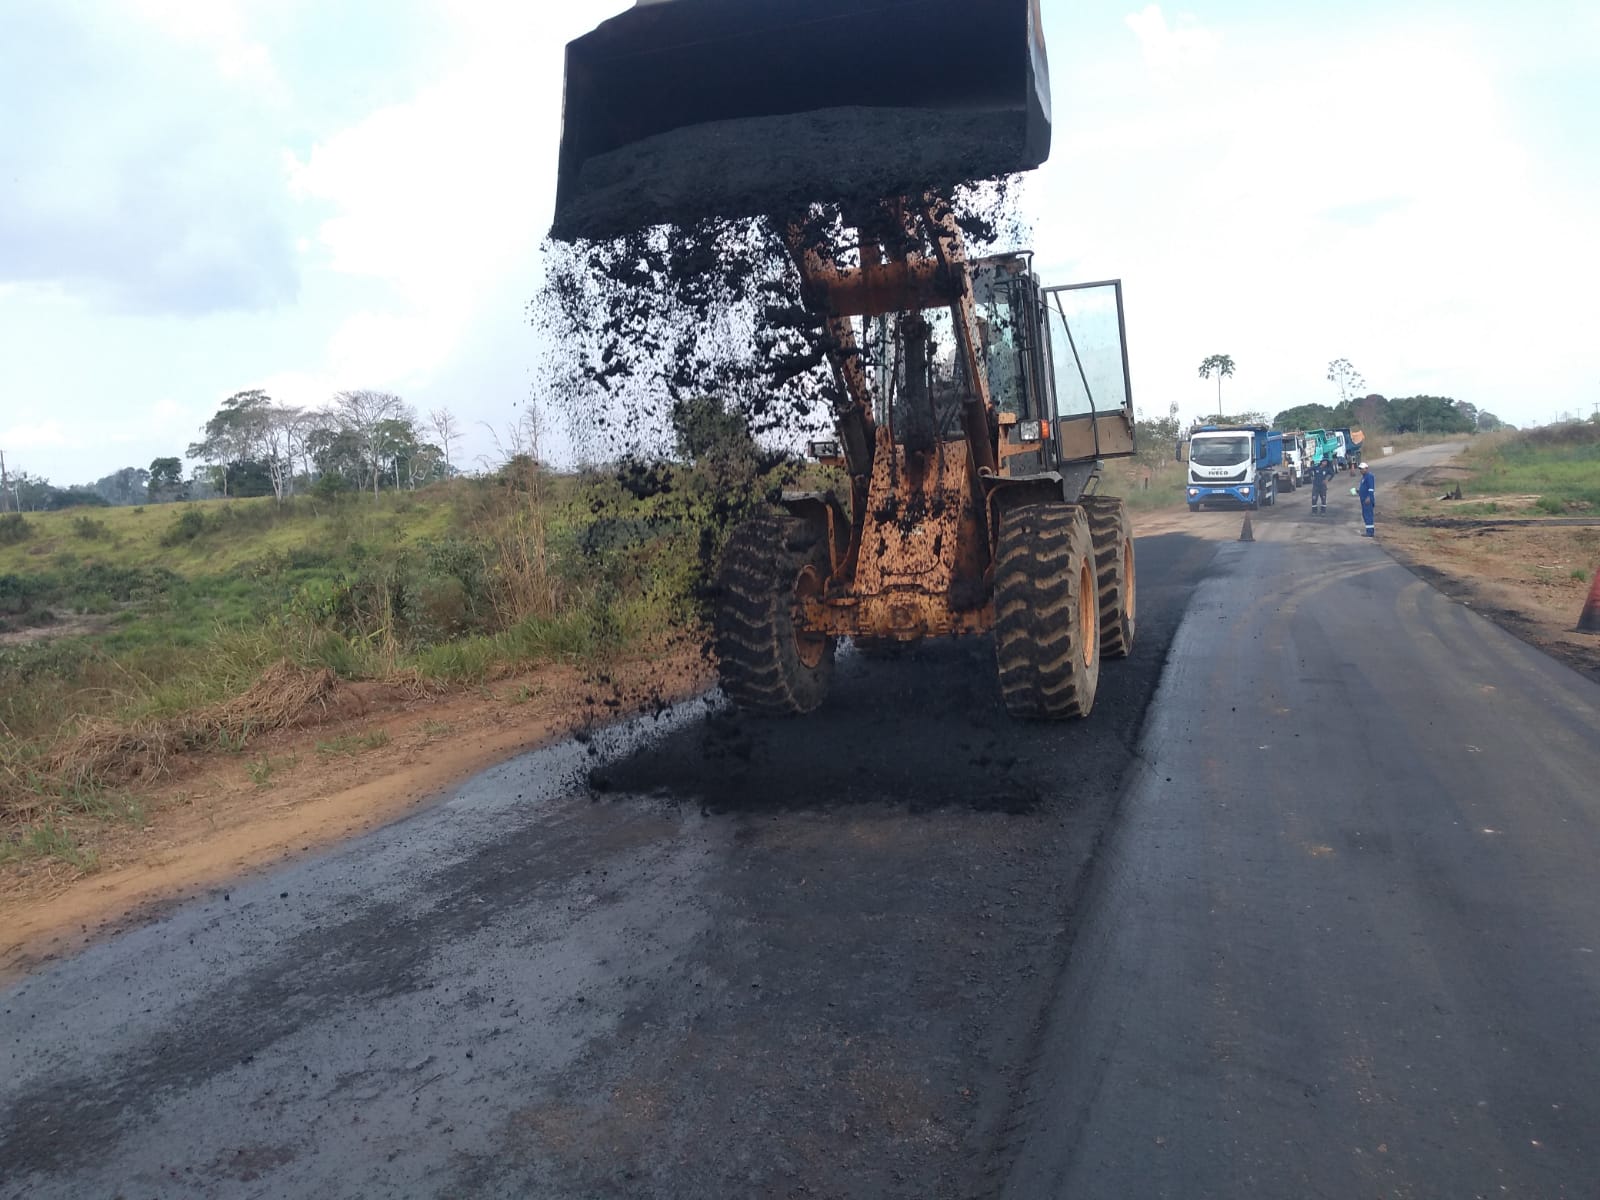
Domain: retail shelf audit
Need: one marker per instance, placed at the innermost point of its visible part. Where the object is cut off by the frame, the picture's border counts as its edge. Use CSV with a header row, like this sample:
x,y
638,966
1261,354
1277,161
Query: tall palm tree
x,y
1219,365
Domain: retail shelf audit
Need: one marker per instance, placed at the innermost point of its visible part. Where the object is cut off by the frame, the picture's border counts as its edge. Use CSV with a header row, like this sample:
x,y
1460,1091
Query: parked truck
x,y
1326,445
1296,468
1233,465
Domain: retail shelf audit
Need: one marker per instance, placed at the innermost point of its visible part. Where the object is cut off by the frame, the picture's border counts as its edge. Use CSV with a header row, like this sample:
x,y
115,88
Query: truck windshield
x,y
1219,452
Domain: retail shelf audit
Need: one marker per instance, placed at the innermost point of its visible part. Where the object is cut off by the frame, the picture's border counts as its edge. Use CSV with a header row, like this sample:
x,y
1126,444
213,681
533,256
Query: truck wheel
x,y
765,664
1046,627
1111,532
1194,508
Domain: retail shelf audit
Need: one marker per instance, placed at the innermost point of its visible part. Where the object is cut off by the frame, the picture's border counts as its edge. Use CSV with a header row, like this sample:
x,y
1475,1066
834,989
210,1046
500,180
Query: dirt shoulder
x,y
214,817
1529,575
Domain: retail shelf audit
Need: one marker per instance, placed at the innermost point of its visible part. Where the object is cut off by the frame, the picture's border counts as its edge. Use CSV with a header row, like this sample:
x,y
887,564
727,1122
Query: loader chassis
x,y
968,510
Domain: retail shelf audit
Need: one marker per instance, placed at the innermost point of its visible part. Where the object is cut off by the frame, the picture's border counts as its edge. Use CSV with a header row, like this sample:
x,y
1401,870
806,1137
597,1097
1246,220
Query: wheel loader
x,y
976,407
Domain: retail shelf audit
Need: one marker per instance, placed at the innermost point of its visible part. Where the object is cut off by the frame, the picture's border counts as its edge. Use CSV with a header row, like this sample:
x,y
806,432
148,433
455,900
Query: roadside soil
x,y
213,817
1521,576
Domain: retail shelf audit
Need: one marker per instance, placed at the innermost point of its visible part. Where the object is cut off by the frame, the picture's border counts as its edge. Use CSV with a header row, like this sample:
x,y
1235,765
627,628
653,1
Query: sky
x,y
199,197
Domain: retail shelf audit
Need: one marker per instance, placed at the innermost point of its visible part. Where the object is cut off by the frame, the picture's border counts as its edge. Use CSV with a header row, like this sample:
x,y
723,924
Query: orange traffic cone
x,y
1246,534
1589,618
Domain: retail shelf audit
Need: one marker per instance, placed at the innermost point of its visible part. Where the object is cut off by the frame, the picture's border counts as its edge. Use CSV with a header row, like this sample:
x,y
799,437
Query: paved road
x,y
700,957
1345,940
908,948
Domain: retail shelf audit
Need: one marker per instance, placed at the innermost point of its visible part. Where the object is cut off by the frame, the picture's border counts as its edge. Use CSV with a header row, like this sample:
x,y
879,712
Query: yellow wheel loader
x,y
977,407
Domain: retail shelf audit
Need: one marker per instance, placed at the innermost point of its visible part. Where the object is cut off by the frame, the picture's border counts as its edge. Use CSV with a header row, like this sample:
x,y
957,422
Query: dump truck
x,y
1233,465
977,406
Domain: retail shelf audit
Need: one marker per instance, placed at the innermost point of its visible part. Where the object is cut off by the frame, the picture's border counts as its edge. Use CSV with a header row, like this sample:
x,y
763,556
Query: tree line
x,y
252,446
1379,414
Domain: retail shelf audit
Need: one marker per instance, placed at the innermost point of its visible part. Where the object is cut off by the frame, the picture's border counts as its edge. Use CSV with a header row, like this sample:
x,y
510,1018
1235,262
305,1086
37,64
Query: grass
x,y
179,609
354,743
261,770
1559,465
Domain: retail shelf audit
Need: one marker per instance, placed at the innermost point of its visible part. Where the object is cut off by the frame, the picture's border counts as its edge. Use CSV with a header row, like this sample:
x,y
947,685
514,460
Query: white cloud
x,y
1171,52
446,195
34,435
1368,197
221,29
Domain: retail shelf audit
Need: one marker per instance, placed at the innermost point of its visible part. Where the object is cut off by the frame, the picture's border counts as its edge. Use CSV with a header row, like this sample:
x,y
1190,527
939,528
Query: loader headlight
x,y
1032,431
827,448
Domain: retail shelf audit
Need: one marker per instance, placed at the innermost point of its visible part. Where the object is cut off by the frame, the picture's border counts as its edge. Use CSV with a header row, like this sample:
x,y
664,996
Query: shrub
x,y
14,529
90,530
191,523
438,608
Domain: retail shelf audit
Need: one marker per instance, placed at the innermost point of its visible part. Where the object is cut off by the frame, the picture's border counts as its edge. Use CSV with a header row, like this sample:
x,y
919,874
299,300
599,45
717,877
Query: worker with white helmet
x,y
1368,491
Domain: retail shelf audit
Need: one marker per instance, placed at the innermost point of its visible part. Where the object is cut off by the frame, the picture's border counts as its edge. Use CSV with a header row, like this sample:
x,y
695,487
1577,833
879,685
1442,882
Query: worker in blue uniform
x,y
1368,491
1321,472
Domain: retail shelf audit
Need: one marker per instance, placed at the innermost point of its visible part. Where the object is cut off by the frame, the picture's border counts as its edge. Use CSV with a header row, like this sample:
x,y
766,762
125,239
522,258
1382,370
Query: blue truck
x,y
1233,465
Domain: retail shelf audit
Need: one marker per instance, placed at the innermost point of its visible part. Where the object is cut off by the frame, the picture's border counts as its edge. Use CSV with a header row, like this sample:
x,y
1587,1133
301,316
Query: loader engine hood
x,y
678,110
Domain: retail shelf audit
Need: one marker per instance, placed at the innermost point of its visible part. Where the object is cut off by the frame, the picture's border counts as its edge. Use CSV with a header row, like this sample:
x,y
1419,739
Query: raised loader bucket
x,y
683,109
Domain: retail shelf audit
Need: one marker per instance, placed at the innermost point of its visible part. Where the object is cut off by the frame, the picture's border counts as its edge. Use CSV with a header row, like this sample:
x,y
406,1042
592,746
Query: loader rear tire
x,y
1046,628
766,665
1111,531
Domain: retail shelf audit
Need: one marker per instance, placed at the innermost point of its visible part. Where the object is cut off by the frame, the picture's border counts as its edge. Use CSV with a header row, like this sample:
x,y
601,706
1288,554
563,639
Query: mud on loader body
x,y
976,407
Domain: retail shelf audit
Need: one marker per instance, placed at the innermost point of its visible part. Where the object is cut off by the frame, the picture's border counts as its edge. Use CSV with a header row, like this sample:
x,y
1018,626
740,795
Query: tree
x,y
443,423
361,414
1306,416
283,433
1156,436
165,481
396,446
1345,377
127,486
1429,414
236,433
1220,365
32,493
337,457
1488,422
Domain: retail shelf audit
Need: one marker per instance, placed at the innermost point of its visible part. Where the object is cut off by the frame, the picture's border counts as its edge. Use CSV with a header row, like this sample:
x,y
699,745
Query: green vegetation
x,y
1560,464
354,743
139,633
1379,416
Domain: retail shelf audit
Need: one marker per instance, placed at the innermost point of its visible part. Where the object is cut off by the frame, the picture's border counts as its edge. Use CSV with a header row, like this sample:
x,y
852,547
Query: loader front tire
x,y
1111,531
765,663
1046,628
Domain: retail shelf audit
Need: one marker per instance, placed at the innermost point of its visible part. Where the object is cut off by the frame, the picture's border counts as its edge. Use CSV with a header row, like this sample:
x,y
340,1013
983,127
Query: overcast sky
x,y
203,196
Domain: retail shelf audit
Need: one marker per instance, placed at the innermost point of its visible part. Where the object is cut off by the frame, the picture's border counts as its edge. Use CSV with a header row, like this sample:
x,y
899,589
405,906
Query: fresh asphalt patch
x,y
701,955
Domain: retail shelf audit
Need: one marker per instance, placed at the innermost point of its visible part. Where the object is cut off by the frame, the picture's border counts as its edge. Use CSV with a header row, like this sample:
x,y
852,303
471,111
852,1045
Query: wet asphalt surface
x,y
906,947
699,956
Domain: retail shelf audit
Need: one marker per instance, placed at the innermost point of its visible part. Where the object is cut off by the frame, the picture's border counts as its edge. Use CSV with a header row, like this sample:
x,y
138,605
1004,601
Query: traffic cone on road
x,y
1246,534
1589,618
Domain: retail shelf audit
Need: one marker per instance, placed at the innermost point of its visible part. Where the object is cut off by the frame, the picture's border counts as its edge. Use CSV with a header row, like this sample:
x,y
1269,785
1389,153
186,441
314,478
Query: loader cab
x,y
1057,364
1009,319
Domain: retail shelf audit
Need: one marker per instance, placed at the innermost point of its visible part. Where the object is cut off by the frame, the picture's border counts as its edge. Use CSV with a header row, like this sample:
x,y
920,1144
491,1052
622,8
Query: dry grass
x,y
106,753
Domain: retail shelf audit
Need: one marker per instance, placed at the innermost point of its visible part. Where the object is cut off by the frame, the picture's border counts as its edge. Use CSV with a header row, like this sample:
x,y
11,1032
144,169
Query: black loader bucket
x,y
684,109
